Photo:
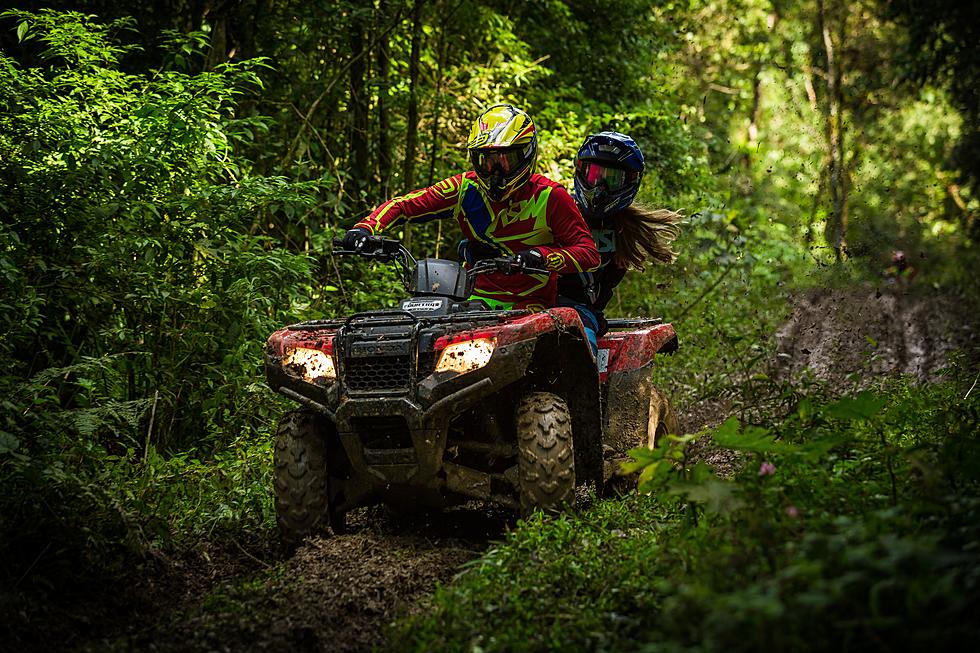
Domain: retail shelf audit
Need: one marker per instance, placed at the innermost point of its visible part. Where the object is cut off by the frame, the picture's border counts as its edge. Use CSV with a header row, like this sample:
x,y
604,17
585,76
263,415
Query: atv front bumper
x,y
400,437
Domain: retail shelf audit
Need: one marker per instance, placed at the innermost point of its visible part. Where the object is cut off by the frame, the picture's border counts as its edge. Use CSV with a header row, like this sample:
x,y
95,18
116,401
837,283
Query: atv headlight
x,y
466,356
315,364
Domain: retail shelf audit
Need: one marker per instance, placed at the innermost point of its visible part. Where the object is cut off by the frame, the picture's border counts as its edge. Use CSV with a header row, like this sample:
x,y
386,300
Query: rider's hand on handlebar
x,y
356,239
530,259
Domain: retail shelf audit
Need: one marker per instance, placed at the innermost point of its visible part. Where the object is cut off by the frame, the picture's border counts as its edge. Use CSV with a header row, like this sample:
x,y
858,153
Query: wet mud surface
x,y
340,593
853,338
844,341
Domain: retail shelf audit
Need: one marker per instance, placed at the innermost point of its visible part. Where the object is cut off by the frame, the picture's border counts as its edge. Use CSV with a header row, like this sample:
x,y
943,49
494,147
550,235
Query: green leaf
x,y
8,442
21,31
755,439
716,495
864,406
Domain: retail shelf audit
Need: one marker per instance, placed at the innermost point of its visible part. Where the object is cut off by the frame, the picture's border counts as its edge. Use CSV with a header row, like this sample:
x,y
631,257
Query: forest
x,y
173,174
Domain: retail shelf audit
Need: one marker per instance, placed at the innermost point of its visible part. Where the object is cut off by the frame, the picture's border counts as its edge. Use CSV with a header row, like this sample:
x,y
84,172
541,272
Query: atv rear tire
x,y
302,483
662,420
546,457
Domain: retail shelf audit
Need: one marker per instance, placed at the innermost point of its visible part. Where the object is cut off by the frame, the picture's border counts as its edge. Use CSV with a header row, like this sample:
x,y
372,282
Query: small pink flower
x,y
792,511
767,469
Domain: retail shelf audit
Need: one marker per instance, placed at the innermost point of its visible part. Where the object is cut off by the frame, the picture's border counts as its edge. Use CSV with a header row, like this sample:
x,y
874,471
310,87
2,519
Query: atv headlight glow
x,y
314,363
466,356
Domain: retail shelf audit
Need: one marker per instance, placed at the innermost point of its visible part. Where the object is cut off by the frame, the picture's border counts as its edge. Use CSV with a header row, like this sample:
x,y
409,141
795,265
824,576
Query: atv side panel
x,y
625,364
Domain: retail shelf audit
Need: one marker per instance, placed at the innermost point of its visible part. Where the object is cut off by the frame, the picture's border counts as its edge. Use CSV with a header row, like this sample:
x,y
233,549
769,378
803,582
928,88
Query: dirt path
x,y
334,594
848,340
851,338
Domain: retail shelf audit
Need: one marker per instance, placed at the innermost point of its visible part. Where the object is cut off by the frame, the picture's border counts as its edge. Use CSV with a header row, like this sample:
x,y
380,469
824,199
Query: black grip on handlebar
x,y
504,265
374,247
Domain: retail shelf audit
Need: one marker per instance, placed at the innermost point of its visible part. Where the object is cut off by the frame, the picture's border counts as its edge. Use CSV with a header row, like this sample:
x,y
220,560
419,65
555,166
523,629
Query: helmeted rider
x,y
608,169
503,209
900,270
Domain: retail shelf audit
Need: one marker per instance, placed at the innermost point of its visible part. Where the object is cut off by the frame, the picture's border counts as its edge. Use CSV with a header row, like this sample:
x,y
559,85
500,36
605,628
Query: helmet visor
x,y
592,174
502,161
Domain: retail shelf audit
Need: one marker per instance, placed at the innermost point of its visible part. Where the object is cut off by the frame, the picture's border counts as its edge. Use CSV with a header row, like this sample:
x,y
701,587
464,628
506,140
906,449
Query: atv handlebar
x,y
376,247
504,265
389,249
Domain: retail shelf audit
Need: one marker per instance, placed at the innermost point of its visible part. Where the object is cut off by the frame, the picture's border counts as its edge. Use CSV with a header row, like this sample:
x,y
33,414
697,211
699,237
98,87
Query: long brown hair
x,y
643,233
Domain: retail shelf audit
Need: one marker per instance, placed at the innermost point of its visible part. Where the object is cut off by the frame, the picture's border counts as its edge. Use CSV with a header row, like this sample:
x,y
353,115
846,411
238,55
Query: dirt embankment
x,y
848,340
852,338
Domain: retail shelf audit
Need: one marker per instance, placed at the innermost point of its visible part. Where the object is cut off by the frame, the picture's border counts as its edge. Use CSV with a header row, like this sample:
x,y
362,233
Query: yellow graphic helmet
x,y
503,145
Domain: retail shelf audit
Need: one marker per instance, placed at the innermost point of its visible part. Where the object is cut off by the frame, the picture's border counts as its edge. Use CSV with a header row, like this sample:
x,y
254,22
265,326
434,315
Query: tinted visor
x,y
498,160
593,173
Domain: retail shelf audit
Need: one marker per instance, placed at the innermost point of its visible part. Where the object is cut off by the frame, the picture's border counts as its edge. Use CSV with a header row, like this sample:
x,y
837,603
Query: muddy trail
x,y
852,338
333,593
340,593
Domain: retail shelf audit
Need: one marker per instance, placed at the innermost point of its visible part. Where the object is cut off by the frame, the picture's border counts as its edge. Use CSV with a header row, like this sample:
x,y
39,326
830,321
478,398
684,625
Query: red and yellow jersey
x,y
540,214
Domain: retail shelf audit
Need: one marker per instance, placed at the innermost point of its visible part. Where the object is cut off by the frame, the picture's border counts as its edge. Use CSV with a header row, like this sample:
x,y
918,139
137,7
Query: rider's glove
x,y
356,238
531,258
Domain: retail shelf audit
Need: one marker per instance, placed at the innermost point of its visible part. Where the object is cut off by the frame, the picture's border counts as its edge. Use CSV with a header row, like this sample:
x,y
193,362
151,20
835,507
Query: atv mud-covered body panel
x,y
625,363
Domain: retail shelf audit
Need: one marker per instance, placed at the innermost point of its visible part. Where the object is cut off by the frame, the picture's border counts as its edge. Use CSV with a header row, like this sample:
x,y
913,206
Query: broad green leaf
x,y
716,495
8,442
864,406
755,439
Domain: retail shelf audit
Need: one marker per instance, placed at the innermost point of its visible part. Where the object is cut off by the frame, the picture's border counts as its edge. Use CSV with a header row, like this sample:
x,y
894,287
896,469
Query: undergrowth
x,y
852,524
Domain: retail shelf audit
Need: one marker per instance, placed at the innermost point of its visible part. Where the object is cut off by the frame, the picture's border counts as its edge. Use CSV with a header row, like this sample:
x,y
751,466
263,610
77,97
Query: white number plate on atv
x,y
602,360
422,305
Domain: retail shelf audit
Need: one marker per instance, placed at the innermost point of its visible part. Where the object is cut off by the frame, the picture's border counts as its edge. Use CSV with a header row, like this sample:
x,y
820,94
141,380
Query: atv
x,y
441,401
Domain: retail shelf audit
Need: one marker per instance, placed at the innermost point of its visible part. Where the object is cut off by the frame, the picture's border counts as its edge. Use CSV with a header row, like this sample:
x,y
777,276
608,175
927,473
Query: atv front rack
x,y
396,316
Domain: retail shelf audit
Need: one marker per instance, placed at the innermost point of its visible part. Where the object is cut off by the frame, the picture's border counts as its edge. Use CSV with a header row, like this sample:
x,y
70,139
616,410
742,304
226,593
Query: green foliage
x,y
136,300
850,521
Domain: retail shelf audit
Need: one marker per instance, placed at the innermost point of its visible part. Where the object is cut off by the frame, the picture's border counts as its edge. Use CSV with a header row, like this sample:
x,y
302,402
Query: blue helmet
x,y
608,169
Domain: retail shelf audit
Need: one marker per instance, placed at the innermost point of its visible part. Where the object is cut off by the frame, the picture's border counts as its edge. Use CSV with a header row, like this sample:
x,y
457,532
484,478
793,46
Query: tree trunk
x,y
384,121
411,137
835,139
442,49
434,134
359,109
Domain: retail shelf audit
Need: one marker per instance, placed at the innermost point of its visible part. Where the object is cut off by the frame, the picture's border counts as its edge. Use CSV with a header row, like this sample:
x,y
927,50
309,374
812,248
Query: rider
x,y
503,209
900,271
608,170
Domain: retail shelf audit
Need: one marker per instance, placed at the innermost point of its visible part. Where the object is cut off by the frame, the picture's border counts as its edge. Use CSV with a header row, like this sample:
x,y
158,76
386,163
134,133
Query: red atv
x,y
441,401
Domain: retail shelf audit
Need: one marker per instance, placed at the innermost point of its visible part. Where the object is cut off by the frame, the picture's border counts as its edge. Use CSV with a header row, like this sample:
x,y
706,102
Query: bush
x,y
850,524
136,301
